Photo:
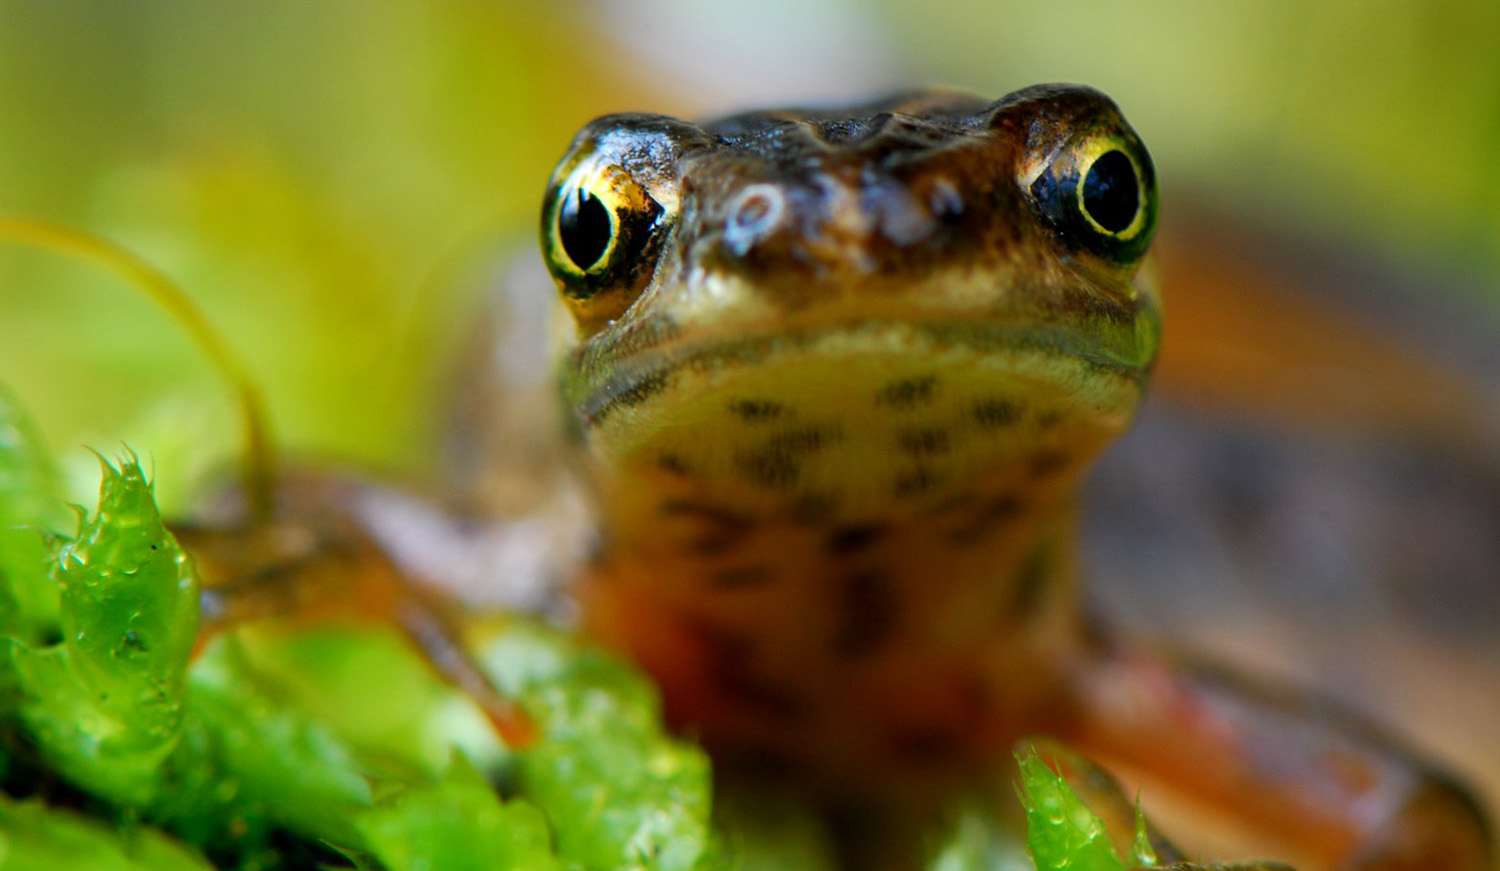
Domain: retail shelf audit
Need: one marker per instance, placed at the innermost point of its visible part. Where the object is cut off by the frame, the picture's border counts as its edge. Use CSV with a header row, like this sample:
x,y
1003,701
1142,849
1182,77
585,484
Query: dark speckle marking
x,y
996,413
1002,507
989,516
908,392
814,508
778,462
769,468
757,410
916,482
1032,584
731,662
739,577
719,528
672,463
712,544
946,724
801,441
924,442
1049,419
718,516
952,504
867,612
1046,463
847,540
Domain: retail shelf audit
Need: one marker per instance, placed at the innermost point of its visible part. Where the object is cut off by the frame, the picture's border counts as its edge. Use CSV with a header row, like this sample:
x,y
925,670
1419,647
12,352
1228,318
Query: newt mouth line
x,y
633,383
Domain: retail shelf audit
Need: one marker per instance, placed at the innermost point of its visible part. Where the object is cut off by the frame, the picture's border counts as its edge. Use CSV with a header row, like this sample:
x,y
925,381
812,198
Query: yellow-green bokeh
x,y
333,179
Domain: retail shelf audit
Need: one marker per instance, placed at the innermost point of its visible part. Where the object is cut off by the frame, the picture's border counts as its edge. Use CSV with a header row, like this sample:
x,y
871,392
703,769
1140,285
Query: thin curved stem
x,y
257,465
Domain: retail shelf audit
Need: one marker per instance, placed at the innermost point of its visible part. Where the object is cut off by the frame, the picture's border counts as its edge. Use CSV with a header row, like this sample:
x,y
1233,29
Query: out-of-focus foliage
x,y
34,837
460,824
96,691
334,180
313,174
29,502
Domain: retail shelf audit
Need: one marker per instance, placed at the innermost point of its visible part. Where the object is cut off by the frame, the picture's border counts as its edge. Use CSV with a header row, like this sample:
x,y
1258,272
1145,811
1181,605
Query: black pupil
x,y
583,226
1111,194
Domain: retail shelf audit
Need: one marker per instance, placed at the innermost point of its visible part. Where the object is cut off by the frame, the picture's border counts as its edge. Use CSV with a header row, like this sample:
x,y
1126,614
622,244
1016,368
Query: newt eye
x,y
599,228
585,228
1099,194
1111,192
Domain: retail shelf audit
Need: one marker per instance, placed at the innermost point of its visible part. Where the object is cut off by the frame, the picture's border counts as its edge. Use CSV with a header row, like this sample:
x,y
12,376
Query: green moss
x,y
460,824
30,506
1062,834
268,748
103,706
231,753
34,836
625,793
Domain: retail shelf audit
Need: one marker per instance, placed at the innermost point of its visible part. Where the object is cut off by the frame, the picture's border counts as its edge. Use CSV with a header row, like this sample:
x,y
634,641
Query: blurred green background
x,y
332,180
336,182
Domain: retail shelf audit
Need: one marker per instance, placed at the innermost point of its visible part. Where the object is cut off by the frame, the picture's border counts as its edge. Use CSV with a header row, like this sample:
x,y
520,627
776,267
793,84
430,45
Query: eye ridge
x,y
1110,192
1097,194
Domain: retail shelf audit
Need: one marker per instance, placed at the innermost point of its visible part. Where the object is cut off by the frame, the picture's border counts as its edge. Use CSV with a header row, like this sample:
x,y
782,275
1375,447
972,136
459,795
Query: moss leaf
x,y
104,705
1062,834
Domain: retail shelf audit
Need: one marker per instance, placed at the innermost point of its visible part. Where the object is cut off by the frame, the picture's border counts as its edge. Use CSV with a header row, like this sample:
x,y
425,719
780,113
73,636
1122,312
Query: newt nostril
x,y
754,214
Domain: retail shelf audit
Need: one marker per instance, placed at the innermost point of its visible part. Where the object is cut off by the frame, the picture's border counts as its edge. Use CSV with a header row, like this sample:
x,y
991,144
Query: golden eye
x,y
1099,194
600,233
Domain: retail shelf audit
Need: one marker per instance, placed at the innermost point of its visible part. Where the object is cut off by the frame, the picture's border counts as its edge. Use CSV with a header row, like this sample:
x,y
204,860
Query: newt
x,y
822,389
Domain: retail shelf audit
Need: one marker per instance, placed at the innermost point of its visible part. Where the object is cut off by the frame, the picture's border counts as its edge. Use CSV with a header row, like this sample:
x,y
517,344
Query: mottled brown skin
x,y
829,389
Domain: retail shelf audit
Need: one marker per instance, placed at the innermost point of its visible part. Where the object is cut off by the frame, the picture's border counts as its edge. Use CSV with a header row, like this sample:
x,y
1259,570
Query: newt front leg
x,y
1319,776
328,553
